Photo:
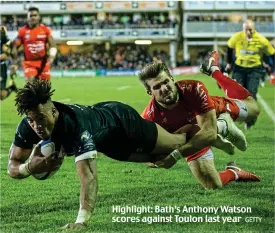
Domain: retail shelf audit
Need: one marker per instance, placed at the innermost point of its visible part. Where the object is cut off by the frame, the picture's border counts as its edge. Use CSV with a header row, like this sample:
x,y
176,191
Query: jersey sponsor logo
x,y
187,87
150,111
190,117
164,120
202,95
249,52
36,47
41,36
86,141
139,150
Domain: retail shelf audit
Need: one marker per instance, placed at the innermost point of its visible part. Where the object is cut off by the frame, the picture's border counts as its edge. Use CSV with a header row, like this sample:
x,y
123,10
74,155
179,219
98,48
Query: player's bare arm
x,y
52,50
204,137
17,156
87,174
17,46
18,168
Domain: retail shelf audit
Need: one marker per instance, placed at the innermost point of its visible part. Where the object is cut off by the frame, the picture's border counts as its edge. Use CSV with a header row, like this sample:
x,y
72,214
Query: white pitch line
x,y
123,88
266,107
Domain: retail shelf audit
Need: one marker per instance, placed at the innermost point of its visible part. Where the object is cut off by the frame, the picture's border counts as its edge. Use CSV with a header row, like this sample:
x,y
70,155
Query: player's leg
x,y
5,91
233,89
155,145
203,168
253,80
30,72
144,137
167,142
45,74
236,91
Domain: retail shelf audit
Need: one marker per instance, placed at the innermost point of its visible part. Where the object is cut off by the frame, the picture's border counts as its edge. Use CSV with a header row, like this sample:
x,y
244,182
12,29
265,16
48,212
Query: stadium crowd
x,y
118,57
96,21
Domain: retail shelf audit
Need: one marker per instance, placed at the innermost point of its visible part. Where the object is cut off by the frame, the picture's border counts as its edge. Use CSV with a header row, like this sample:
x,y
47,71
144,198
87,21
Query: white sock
x,y
214,68
235,173
222,127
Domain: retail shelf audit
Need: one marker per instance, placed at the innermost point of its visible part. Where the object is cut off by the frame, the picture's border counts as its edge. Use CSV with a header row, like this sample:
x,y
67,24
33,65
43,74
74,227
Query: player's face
x,y
163,89
33,18
248,30
42,120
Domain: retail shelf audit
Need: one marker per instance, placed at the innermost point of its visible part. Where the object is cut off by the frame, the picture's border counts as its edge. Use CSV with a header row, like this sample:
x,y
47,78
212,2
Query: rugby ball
x,y
47,148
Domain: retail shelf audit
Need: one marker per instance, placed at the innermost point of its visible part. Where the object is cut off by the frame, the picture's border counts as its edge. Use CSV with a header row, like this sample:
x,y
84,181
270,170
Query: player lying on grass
x,y
113,128
176,104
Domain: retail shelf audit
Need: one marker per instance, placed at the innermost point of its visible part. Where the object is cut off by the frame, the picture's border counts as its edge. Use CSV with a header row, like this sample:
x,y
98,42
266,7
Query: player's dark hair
x,y
33,8
33,94
152,70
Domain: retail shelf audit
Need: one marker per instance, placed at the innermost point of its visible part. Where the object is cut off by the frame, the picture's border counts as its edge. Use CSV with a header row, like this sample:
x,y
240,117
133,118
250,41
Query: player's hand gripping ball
x,y
45,161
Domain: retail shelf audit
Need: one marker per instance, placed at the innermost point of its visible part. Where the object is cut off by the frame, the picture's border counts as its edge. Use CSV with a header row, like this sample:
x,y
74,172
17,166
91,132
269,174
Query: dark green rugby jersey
x,y
84,130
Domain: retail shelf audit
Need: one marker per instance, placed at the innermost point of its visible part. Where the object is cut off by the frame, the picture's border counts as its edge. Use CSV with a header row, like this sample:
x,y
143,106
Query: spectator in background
x,y
248,69
129,57
94,21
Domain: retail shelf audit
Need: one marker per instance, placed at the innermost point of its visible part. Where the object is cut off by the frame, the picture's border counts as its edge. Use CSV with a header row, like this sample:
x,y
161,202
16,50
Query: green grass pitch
x,y
33,206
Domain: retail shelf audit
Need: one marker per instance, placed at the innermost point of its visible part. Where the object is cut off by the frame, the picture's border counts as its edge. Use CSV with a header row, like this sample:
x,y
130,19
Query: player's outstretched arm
x,y
204,137
17,157
18,168
87,173
52,50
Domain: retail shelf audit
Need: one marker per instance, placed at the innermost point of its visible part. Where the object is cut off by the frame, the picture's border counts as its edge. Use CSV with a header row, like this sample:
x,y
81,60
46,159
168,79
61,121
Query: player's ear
x,y
149,92
54,111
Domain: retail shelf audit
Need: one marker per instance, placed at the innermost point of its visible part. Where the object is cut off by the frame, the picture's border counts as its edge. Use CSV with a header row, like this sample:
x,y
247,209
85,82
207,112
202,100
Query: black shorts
x,y
4,76
249,78
130,134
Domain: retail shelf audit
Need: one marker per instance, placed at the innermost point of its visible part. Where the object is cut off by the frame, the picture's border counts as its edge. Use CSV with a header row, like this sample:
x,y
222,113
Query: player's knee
x,y
257,110
253,107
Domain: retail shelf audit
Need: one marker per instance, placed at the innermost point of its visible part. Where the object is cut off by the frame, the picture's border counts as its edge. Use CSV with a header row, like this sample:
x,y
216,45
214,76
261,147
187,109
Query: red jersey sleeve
x,y
196,94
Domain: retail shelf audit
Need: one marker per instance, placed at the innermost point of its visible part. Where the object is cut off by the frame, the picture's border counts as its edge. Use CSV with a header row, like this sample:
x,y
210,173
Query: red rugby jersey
x,y
193,100
34,41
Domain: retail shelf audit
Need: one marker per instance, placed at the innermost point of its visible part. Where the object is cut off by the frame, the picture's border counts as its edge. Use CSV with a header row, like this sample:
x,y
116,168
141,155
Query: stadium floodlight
x,y
75,42
143,42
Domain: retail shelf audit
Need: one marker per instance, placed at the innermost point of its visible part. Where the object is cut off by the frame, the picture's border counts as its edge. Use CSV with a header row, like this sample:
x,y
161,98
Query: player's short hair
x,y
152,70
33,8
33,94
250,23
